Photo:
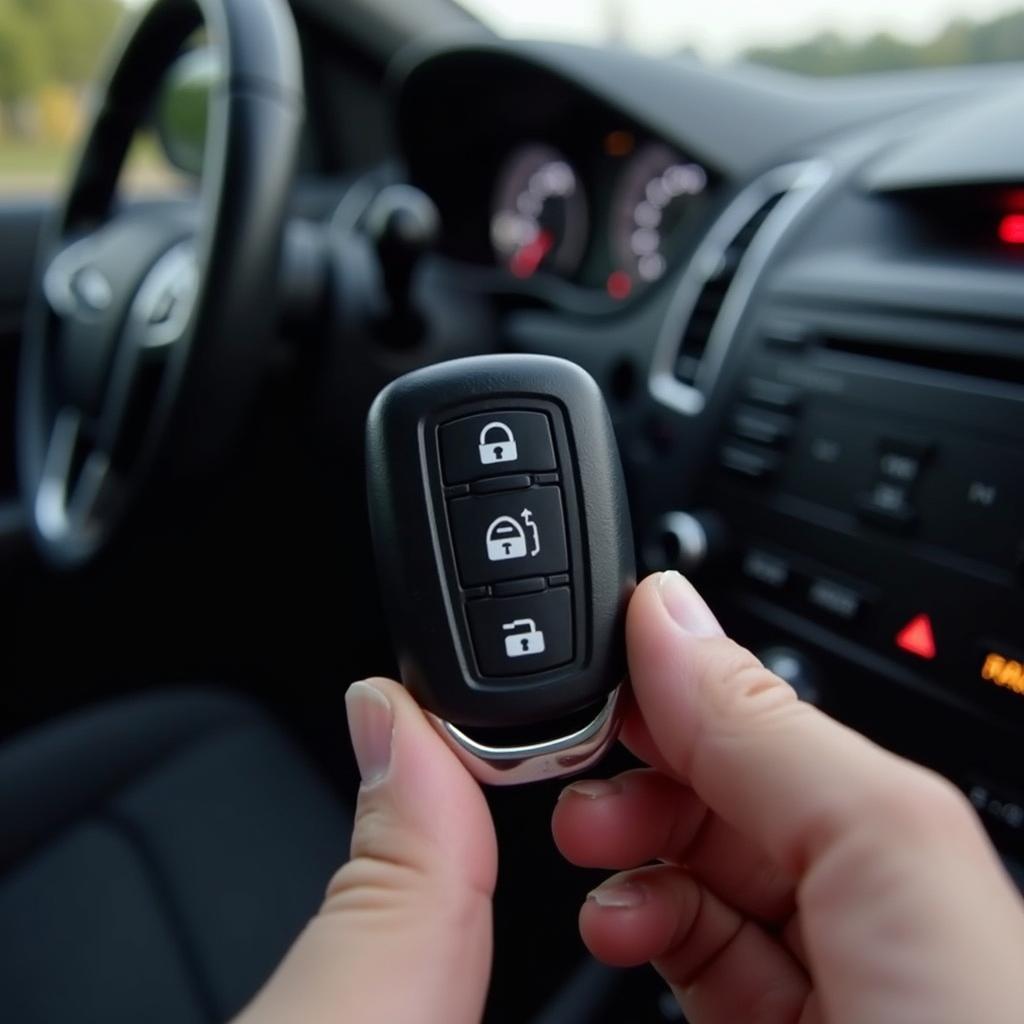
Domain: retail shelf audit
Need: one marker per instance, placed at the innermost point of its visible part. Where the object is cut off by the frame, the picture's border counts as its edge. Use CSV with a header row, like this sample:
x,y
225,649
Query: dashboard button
x,y
795,669
509,536
772,395
998,805
769,570
762,427
917,637
787,336
835,599
753,465
494,443
518,636
898,467
888,505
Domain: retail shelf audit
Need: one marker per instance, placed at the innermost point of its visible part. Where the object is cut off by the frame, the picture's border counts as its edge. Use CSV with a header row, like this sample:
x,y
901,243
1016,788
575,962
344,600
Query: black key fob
x,y
505,554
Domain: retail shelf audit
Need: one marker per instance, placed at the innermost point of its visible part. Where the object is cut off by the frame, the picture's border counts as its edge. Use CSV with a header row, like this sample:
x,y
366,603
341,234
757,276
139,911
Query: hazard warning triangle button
x,y
917,637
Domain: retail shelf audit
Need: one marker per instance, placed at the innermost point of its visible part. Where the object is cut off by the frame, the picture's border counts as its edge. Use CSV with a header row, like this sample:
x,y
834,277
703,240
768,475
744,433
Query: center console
x,y
860,516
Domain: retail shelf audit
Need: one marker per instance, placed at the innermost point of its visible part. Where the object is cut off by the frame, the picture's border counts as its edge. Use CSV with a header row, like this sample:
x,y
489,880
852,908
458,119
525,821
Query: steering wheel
x,y
150,330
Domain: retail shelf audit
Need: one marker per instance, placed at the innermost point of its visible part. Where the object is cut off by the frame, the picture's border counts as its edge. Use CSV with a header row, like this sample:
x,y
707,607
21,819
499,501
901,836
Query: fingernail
x,y
686,606
592,789
618,895
371,724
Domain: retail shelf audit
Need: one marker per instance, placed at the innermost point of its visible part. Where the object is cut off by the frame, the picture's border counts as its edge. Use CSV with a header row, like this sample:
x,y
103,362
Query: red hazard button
x,y
917,637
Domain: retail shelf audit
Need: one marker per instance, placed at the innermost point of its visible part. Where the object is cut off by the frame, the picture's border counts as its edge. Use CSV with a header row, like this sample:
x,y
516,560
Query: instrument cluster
x,y
611,215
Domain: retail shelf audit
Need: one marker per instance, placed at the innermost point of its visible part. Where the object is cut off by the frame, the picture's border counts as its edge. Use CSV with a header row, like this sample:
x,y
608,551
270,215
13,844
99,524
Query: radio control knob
x,y
684,541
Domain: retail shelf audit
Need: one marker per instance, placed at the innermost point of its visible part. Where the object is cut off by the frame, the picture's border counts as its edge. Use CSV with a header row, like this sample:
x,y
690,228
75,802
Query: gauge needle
x,y
528,258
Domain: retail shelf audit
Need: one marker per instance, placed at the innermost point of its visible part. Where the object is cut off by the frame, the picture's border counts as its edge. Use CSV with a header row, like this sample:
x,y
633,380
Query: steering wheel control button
x,y
92,290
491,443
518,636
507,536
504,550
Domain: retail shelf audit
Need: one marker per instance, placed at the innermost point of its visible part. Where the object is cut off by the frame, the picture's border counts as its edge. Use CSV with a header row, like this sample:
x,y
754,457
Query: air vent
x,y
714,289
713,293
992,367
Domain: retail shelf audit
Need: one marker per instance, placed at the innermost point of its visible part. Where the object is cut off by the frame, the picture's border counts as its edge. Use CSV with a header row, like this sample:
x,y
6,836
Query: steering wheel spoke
x,y
76,481
151,327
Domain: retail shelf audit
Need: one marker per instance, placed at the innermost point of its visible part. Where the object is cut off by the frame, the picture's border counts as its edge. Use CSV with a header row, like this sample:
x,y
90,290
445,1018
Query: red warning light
x,y
1011,229
917,637
619,285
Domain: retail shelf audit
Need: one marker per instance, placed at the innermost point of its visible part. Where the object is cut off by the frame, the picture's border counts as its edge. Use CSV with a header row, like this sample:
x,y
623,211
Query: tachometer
x,y
539,219
657,192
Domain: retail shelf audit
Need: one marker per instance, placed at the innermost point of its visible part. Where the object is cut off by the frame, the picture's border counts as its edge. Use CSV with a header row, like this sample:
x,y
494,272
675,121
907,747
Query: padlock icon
x,y
525,638
497,444
506,538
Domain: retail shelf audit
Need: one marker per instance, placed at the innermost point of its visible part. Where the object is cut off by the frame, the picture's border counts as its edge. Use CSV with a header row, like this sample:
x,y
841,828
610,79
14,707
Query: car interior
x,y
801,300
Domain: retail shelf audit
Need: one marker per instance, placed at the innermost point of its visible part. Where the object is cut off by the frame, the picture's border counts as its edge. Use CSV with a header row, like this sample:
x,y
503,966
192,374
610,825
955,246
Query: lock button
x,y
496,442
518,636
510,535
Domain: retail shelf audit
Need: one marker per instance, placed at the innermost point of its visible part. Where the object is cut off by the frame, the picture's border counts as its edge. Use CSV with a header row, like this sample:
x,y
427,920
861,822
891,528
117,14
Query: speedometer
x,y
657,192
539,219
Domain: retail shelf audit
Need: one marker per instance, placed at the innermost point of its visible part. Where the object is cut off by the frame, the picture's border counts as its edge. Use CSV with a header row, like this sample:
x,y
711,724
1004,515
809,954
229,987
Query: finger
x,y
405,930
636,737
723,967
642,815
893,869
776,769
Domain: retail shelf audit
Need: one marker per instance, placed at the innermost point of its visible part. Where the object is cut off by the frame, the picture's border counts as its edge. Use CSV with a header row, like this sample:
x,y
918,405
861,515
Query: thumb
x,y
404,933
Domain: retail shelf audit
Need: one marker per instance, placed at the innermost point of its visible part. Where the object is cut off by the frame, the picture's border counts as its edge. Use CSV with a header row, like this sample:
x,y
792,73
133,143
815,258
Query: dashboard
x,y
804,307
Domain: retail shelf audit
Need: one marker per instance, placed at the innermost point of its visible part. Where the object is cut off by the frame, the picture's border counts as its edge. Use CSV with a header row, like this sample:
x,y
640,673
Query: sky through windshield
x,y
723,30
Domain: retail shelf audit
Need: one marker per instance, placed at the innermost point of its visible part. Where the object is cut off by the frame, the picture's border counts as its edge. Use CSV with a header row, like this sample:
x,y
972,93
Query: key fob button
x,y
520,636
489,444
509,536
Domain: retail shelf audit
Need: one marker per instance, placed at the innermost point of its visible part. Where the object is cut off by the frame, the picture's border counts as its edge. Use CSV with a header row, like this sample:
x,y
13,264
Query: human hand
x,y
805,875
404,934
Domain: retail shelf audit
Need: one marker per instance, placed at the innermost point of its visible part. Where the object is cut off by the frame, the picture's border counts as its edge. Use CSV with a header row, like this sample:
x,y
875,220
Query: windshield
x,y
818,37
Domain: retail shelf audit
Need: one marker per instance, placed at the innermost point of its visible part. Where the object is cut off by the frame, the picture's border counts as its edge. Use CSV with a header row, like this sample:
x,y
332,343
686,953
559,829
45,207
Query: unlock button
x,y
518,636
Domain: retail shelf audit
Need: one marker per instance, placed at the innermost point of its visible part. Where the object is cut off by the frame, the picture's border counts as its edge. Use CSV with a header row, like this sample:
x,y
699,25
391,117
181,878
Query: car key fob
x,y
505,553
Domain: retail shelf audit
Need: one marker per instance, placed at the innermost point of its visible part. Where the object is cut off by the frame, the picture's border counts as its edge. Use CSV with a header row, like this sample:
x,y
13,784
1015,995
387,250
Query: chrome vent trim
x,y
789,187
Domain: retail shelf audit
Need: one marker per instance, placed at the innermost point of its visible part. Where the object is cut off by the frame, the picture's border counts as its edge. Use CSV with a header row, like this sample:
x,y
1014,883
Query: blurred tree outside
x,y
49,51
50,54
961,42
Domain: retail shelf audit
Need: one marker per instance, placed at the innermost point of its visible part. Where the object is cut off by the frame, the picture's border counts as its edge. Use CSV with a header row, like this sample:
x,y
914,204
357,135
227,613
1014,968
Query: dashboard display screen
x,y
539,220
608,212
654,196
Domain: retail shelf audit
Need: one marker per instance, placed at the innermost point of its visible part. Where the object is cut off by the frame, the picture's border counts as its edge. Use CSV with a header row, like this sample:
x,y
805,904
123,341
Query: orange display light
x,y
1004,672
619,143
